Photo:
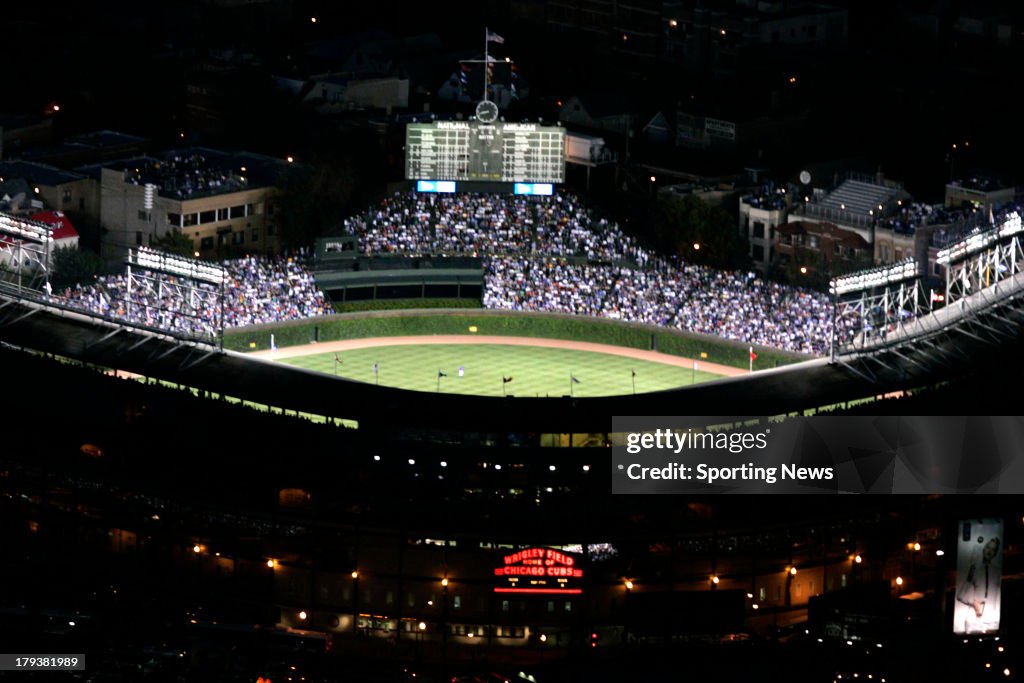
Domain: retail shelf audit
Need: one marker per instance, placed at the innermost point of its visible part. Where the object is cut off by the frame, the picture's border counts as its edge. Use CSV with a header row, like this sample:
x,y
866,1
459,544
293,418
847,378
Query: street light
x,y
629,585
423,626
355,574
444,582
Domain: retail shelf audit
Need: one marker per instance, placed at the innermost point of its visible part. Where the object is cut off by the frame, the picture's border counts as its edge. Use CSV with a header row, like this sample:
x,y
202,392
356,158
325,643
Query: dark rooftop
x,y
195,172
39,174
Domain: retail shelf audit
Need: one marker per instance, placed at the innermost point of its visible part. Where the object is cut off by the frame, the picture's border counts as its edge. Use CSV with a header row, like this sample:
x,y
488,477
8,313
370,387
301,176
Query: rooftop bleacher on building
x,y
766,198
197,172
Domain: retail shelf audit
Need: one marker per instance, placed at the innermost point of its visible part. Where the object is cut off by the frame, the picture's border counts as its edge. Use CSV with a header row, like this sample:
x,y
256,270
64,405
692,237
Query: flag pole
x,y
751,356
571,392
486,59
634,381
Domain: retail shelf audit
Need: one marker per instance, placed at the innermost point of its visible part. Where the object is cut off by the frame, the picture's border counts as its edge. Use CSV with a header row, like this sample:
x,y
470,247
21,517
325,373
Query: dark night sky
x,y
897,100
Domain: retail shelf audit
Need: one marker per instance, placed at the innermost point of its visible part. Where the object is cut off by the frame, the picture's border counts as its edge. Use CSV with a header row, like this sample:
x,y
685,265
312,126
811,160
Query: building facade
x,y
224,203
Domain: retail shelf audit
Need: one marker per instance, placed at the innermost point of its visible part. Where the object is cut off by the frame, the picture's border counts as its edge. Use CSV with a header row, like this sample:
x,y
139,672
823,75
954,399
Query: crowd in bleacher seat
x,y
733,305
973,221
768,197
184,175
526,244
910,216
487,225
257,290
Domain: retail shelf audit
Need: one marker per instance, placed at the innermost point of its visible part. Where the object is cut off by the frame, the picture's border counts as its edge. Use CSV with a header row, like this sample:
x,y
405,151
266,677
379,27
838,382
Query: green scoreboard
x,y
487,152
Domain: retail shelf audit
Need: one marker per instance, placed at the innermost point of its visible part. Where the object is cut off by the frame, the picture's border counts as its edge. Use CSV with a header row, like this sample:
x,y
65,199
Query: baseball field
x,y
502,365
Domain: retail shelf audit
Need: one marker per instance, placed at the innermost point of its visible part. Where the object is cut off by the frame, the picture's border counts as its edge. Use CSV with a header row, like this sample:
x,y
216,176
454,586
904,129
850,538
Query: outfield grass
x,y
508,324
535,371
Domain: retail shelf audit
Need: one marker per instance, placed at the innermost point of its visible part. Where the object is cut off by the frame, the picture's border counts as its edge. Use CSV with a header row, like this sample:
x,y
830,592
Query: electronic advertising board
x,y
979,574
491,152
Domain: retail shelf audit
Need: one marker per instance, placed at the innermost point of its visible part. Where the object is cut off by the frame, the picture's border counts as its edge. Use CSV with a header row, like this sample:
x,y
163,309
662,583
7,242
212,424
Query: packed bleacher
x,y
912,215
540,254
528,242
258,290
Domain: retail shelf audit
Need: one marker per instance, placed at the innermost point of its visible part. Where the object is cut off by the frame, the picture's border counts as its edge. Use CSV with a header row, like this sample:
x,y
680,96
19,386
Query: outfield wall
x,y
508,324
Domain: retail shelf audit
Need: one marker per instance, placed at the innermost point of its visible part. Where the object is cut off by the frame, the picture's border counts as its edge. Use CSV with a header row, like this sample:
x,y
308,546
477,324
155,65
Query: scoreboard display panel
x,y
490,152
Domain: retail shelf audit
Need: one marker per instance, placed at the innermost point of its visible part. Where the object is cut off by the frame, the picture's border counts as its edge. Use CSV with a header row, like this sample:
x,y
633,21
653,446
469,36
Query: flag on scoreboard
x,y
441,374
753,356
505,380
376,368
494,38
462,371
337,360
574,380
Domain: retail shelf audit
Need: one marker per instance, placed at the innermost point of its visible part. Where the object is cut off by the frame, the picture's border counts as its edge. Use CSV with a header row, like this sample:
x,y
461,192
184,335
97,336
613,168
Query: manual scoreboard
x,y
485,152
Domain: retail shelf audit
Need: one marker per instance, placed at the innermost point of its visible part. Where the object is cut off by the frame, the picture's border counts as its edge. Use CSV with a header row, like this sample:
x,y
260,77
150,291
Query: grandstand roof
x,y
63,229
860,197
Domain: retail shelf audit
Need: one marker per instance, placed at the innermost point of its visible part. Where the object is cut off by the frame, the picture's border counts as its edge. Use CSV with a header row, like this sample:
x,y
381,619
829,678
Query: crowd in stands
x,y
540,254
527,242
768,197
973,222
733,305
258,290
490,225
184,175
912,215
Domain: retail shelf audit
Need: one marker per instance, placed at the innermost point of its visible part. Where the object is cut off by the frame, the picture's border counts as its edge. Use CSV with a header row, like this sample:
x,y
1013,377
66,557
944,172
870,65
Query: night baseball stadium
x,y
514,341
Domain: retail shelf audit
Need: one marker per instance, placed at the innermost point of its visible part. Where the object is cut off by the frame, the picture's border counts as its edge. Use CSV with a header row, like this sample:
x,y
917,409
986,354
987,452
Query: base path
x,y
639,354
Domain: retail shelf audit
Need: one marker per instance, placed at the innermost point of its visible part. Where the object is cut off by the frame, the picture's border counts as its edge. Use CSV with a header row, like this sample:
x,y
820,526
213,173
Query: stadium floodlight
x,y
980,241
1011,226
151,259
972,244
22,228
875,277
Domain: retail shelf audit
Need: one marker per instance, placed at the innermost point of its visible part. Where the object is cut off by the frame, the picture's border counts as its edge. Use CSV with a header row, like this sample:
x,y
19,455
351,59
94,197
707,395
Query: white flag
x,y
494,38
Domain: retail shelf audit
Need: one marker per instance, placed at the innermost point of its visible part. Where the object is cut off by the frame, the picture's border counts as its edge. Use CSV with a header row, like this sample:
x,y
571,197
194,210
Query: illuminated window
x,y
842,580
504,605
762,594
568,606
457,602
389,598
551,606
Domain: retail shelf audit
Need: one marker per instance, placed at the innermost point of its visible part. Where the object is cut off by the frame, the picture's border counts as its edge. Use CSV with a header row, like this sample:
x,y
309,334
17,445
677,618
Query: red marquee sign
x,y
539,570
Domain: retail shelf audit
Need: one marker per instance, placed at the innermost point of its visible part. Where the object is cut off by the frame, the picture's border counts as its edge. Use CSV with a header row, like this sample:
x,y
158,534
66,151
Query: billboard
x,y
497,152
539,570
979,573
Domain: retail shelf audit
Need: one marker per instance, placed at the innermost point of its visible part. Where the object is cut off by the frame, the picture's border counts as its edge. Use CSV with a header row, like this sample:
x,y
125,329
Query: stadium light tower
x,y
177,293
25,246
982,260
870,304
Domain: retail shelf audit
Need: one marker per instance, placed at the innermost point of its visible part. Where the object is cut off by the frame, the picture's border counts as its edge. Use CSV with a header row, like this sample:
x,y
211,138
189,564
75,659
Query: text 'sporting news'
x,y
815,455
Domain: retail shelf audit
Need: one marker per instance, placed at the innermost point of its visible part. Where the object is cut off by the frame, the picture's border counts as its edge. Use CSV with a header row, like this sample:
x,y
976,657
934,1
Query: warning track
x,y
370,342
